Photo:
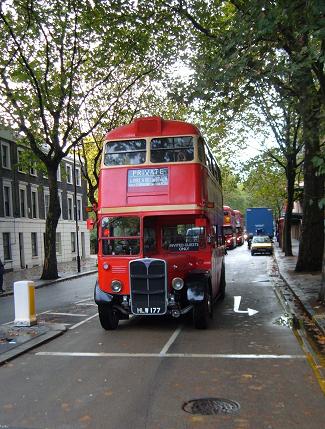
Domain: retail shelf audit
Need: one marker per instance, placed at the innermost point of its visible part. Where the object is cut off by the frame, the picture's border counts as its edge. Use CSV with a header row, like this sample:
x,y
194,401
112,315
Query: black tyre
x,y
222,292
252,253
203,312
108,317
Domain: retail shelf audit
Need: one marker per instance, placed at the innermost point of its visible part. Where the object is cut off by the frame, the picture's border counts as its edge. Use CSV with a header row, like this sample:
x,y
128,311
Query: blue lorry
x,y
259,221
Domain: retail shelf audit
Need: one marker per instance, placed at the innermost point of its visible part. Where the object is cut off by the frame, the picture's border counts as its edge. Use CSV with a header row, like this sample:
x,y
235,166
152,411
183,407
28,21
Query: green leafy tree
x,y
63,67
237,44
265,183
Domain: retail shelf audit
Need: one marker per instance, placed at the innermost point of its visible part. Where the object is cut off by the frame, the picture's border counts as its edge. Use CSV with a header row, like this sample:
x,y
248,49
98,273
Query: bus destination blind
x,y
143,179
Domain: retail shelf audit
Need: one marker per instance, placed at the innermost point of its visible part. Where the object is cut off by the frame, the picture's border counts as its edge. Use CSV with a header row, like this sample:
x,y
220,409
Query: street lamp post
x,y
76,208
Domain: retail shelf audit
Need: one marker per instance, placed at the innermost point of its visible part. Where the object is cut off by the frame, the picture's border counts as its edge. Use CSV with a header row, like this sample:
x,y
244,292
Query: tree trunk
x,y
321,296
312,237
50,268
291,174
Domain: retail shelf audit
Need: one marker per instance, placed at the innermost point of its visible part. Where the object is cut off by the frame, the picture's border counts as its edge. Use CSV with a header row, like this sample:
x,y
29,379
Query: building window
x,y
22,202
60,202
58,243
46,204
32,170
79,208
78,176
5,155
73,242
34,244
20,166
34,204
69,173
7,200
70,208
6,246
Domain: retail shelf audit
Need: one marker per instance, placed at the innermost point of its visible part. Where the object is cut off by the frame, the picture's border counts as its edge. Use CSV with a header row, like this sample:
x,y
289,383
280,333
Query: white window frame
x,y
6,184
70,198
73,242
34,190
79,212
69,171
78,176
23,188
9,246
34,234
19,151
7,146
32,170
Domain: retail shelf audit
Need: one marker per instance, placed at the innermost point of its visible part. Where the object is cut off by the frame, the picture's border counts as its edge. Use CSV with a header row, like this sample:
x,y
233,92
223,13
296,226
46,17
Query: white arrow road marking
x,y
249,311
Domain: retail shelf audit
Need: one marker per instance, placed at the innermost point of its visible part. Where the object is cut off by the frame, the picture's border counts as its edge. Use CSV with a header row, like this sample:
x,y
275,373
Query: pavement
x,y
15,340
305,288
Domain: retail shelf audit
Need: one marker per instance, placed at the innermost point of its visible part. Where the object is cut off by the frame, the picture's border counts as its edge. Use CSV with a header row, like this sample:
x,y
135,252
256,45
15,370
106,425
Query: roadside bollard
x,y
24,295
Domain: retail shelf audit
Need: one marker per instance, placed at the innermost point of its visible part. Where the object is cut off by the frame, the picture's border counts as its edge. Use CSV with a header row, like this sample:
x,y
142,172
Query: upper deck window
x,y
171,149
126,152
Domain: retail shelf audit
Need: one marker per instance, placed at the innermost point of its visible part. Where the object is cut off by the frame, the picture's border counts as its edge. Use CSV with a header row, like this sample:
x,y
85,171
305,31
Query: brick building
x,y
24,203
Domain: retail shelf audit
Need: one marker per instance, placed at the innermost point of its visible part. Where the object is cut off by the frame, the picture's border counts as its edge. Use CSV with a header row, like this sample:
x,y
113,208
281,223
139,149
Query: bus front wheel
x,y
108,317
202,312
222,289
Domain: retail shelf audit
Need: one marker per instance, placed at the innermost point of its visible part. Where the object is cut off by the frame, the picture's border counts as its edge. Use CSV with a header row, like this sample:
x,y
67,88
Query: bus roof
x,y
152,126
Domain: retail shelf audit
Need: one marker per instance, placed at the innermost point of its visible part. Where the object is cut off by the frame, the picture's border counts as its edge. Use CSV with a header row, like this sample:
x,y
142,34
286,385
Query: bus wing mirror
x,y
90,224
200,222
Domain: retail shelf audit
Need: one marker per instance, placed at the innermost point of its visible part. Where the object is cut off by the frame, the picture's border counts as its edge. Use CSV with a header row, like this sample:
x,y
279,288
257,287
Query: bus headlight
x,y
116,286
177,283
105,266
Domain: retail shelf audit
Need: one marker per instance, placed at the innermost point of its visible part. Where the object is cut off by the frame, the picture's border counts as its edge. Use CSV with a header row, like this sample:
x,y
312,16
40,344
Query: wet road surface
x,y
141,375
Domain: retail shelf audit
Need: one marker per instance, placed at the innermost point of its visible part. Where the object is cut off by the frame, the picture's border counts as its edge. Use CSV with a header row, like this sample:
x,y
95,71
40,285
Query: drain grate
x,y
211,406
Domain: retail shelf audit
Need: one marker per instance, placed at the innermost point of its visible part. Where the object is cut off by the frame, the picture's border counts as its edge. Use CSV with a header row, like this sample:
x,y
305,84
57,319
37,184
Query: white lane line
x,y
83,321
83,300
170,341
171,355
67,314
84,304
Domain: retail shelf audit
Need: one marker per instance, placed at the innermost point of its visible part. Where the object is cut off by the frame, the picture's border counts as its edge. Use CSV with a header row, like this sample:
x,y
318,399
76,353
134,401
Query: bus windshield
x,y
227,230
171,149
183,237
120,235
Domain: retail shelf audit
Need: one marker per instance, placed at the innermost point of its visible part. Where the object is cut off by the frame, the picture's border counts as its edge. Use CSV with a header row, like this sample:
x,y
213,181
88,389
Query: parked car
x,y
261,244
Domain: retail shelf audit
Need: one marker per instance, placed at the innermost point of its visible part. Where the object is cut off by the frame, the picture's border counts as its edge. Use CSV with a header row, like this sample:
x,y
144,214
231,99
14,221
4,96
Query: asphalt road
x,y
141,375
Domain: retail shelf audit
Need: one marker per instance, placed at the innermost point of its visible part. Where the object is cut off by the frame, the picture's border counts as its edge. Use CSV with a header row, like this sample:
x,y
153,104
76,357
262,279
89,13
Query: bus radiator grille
x,y
148,284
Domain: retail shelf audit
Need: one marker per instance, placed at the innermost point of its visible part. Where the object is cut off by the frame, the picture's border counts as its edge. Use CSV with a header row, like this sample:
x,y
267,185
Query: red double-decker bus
x,y
229,227
239,222
160,217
